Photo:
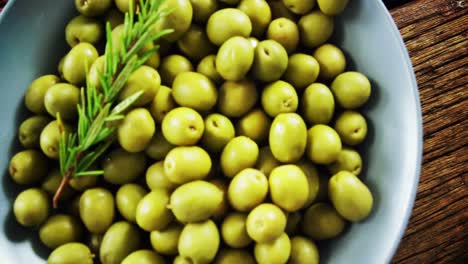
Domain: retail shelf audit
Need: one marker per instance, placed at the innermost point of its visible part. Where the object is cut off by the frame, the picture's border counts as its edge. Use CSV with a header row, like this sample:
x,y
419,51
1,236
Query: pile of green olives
x,y
242,148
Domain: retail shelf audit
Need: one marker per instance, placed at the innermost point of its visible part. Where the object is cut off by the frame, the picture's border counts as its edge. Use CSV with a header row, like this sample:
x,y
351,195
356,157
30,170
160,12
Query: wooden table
x,y
436,35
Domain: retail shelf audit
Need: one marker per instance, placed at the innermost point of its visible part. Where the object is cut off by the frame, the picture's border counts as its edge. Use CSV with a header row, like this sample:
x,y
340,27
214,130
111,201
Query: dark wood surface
x,y
436,35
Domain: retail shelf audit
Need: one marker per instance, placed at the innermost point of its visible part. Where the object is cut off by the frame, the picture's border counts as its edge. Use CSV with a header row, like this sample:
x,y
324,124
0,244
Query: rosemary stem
x,y
65,180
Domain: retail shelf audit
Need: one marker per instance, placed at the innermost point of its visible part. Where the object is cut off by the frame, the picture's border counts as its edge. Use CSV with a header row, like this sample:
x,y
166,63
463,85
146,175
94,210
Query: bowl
x,y
32,42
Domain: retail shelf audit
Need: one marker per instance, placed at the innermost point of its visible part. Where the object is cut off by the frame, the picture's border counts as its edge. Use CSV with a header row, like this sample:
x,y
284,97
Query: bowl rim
x,y
408,208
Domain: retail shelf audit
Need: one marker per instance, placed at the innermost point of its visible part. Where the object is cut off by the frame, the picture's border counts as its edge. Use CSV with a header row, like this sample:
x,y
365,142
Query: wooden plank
x,y
436,35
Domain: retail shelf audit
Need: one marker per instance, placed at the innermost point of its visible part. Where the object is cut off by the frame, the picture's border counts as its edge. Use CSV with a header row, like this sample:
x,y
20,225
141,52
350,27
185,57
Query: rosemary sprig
x,y
97,109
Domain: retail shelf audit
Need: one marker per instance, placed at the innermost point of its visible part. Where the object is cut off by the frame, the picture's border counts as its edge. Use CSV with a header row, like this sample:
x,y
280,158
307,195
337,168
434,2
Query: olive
x,y
145,79
59,230
235,58
194,90
203,9
255,125
97,209
179,19
247,189
226,23
351,89
352,127
219,130
127,198
34,96
52,182
136,130
289,188
348,160
279,97
50,138
279,10
303,250
195,43
184,164
332,7
71,253
143,256
171,66
199,241
158,147
323,144
266,223
183,126
122,167
28,167
93,7
270,61
162,103
207,67
317,104
275,251
234,256
157,178
313,179
152,212
97,68
165,241
77,61
302,70
29,131
62,98
195,201
234,231
233,92
31,207
266,161
84,29
259,13
321,221
331,59
240,153
288,137
114,17
285,32
315,28
121,239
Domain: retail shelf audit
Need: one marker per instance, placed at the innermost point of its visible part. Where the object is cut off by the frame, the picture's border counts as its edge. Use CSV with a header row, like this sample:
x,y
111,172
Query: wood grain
x,y
436,35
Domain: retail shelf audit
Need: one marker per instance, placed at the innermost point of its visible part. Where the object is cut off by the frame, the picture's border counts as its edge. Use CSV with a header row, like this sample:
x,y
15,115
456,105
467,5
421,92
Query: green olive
x,y
77,61
96,69
323,144
83,182
124,5
247,189
115,17
194,90
52,182
351,89
289,188
255,125
97,209
270,61
227,23
203,9
318,104
315,28
171,66
275,251
74,206
145,79
182,260
34,96
253,41
93,7
127,198
234,256
136,130
183,126
28,167
184,164
155,59
157,178
162,103
195,43
195,201
30,130
313,180
235,58
219,130
266,161
199,242
302,70
179,19
231,93
240,153
299,6
31,207
332,7
285,32
303,250
348,160
121,239
71,253
158,147
82,29
50,138
350,196
165,241
59,230
122,167
234,230
152,212
279,10
62,98
331,59
288,137
352,127
143,256
259,13
266,223
321,221
207,67
293,223
279,97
